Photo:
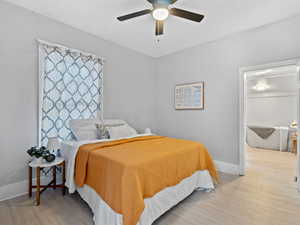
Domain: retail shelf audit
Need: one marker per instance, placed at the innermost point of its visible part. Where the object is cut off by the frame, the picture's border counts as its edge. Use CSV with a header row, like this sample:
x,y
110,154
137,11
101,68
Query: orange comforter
x,y
124,172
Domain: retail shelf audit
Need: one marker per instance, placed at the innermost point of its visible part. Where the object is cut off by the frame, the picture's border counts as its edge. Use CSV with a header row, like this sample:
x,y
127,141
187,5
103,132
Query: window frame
x,y
41,76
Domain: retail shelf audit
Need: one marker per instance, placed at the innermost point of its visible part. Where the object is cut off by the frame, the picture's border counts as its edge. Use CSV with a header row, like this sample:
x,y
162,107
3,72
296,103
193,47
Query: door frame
x,y
243,110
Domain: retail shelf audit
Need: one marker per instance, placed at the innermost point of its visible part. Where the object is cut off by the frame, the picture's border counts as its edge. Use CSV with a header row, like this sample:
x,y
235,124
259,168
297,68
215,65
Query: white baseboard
x,y
225,167
21,188
17,189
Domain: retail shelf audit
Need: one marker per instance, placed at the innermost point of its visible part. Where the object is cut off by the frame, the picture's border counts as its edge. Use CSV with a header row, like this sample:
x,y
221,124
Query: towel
x,y
263,132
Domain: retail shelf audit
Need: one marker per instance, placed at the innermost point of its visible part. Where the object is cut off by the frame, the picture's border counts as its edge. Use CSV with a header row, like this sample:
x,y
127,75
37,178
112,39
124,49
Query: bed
x,y
154,205
278,140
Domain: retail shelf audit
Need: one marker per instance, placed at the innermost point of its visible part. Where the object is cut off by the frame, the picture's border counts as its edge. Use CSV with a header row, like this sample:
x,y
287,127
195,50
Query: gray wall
x,y
217,64
272,111
138,88
128,82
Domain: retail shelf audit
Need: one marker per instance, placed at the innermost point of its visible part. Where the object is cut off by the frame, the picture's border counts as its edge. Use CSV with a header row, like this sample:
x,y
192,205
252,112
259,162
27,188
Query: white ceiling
x,y
280,80
272,72
286,84
223,17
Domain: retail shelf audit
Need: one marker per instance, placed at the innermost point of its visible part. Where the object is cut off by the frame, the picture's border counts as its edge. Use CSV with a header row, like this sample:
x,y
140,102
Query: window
x,y
71,84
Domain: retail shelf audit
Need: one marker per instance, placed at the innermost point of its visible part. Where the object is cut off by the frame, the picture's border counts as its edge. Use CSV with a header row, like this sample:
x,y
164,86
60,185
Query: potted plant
x,y
38,153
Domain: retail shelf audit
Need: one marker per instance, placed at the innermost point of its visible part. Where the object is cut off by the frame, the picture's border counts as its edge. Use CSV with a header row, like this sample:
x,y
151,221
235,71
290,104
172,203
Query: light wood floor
x,y
265,196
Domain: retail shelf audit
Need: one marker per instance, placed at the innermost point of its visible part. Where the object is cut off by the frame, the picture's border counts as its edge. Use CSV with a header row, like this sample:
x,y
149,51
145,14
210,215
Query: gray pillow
x,y
102,131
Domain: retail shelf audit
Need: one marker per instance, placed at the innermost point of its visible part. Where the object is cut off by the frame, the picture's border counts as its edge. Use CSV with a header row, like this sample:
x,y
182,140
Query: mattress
x,y
154,206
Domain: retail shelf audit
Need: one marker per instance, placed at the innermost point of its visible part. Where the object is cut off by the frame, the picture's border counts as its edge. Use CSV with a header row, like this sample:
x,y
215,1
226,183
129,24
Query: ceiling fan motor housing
x,y
162,2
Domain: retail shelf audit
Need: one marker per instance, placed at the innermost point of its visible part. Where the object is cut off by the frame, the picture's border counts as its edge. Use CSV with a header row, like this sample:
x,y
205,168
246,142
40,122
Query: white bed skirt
x,y
154,207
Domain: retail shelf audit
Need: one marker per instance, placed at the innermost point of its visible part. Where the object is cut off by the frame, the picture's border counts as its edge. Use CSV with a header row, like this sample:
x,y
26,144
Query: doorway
x,y
269,118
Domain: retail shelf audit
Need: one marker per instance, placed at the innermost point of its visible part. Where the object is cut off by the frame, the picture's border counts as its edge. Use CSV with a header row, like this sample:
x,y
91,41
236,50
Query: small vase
x,y
38,160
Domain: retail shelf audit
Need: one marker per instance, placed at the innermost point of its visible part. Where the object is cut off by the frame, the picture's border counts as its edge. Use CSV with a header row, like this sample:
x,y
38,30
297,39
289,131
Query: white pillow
x,y
123,131
86,133
111,122
85,129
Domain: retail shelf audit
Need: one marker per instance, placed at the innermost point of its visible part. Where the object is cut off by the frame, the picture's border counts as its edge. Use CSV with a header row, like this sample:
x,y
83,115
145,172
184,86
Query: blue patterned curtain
x,y
71,84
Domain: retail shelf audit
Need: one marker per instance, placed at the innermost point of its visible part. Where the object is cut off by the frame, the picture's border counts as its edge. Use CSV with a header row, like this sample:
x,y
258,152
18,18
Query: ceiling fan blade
x,y
186,14
135,14
159,27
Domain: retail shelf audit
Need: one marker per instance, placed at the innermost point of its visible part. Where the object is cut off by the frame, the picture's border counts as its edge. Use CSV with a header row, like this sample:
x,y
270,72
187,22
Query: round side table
x,y
40,166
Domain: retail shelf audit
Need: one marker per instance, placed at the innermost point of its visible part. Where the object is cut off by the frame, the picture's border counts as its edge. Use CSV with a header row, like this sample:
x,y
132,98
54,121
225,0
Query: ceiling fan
x,y
161,11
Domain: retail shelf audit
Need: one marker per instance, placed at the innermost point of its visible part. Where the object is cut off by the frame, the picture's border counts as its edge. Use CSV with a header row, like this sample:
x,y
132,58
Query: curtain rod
x,y
71,49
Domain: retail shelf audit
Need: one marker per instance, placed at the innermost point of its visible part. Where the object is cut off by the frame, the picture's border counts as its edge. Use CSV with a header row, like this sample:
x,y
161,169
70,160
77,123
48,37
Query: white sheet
x,y
154,207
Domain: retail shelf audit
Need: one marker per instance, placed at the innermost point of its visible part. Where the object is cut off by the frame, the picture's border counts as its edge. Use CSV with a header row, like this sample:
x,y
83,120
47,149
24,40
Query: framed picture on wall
x,y
189,96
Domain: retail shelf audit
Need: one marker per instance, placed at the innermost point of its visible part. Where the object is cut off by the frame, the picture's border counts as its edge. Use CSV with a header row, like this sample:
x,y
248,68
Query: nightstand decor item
x,y
39,154
50,158
53,145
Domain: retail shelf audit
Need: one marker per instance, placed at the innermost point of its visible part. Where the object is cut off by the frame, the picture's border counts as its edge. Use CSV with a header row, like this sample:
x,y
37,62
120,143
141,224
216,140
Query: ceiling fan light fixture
x,y
261,85
160,14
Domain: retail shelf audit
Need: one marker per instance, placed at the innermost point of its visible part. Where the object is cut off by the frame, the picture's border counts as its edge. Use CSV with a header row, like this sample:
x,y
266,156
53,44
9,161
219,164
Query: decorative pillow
x,y
123,131
103,132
